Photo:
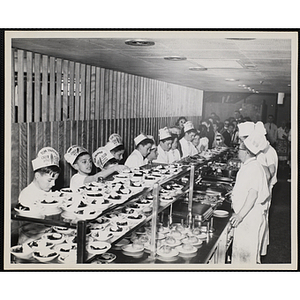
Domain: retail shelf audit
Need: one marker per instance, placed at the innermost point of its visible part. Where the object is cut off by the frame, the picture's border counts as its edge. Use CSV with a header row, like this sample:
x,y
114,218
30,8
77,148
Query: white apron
x,y
248,234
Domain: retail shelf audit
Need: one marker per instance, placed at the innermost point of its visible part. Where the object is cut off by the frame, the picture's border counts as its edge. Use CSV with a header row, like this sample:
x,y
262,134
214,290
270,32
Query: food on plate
x,y
176,234
122,223
135,217
39,254
115,228
170,240
82,204
188,247
54,236
21,207
98,248
165,249
191,240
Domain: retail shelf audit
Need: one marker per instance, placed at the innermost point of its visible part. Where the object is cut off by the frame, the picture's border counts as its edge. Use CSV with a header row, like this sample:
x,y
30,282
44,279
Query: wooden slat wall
x,y
60,103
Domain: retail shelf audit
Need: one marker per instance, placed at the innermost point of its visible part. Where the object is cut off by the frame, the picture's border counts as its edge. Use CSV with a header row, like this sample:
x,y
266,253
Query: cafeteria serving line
x,y
138,152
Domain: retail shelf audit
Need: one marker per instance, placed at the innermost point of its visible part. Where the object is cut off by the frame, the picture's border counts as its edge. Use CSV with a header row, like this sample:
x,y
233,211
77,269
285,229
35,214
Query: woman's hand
x,y
235,220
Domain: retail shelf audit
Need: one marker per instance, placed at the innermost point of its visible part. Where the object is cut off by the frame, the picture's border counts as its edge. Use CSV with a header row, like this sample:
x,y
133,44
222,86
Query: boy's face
x,y
153,154
45,181
166,145
119,155
190,136
84,164
196,140
145,150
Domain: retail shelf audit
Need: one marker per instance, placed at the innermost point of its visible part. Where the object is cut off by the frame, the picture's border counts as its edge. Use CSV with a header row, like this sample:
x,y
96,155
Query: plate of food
x,y
54,237
63,230
166,198
102,235
30,212
133,248
45,256
187,249
98,247
21,251
170,241
167,253
220,213
195,241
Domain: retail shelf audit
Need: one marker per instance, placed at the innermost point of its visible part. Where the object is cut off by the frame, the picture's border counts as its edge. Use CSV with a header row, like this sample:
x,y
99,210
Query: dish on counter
x,y
133,248
54,237
166,198
166,252
30,212
98,247
63,230
101,235
187,249
22,251
195,241
45,256
220,213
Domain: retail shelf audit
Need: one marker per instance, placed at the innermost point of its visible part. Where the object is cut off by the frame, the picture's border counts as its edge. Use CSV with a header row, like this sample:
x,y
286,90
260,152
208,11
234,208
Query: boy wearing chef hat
x,y
46,171
188,149
152,156
138,157
115,146
79,158
104,160
165,144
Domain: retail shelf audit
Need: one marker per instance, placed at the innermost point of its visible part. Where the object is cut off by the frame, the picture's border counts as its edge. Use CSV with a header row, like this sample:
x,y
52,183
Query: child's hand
x,y
120,168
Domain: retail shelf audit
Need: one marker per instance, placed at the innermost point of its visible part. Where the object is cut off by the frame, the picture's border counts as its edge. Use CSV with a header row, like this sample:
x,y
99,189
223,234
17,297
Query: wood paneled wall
x,y
58,103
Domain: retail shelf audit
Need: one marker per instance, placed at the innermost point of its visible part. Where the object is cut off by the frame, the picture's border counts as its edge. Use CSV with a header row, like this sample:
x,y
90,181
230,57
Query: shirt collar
x,y
249,160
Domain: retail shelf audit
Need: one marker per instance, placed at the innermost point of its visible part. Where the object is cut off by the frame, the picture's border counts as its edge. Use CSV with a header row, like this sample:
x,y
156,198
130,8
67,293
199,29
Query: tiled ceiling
x,y
261,64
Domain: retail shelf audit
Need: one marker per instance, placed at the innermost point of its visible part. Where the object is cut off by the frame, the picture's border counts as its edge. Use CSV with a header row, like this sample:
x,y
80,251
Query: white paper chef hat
x,y
115,138
256,141
188,125
101,156
164,133
46,157
73,152
260,128
245,128
112,145
141,137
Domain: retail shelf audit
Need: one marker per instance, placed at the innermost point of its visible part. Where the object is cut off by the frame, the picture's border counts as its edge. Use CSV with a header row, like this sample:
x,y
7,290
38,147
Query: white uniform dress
x,y
267,159
247,240
77,181
188,149
136,160
162,156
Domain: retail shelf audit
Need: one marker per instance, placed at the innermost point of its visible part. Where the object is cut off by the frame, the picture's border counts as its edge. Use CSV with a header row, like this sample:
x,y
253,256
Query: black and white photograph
x,y
152,150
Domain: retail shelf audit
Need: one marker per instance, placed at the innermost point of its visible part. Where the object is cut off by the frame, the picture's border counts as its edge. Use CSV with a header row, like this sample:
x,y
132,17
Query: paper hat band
x,y
73,152
164,133
101,156
46,157
112,145
140,138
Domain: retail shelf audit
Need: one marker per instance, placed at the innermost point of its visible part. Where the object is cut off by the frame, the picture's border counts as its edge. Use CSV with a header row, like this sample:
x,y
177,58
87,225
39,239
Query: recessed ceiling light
x,y
139,42
197,69
175,58
231,79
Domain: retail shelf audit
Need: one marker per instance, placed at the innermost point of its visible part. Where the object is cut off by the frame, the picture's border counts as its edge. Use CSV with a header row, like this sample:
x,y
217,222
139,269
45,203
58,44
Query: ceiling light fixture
x,y
231,79
139,43
175,58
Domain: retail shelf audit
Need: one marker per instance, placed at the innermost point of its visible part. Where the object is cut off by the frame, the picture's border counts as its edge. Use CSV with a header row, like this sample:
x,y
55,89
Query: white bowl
x,y
54,237
102,235
45,256
98,247
22,251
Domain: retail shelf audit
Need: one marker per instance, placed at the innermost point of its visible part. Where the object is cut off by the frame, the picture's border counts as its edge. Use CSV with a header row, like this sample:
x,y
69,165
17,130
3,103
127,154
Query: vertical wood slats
x,y
73,103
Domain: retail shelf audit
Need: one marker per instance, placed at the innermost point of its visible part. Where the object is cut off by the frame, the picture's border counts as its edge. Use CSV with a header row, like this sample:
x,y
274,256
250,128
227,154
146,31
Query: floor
x,y
279,250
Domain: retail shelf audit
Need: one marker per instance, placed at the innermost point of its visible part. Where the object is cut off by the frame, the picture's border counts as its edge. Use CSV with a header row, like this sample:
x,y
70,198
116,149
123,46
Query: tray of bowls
x,y
51,247
171,242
